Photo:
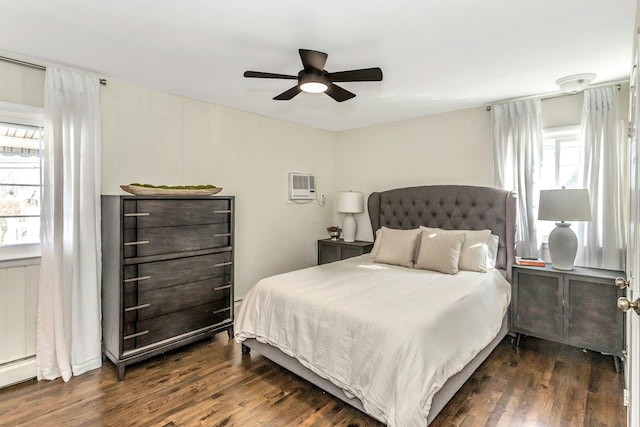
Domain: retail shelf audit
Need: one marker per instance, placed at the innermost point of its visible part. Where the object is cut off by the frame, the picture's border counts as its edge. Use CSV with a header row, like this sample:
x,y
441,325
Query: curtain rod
x,y
552,95
35,66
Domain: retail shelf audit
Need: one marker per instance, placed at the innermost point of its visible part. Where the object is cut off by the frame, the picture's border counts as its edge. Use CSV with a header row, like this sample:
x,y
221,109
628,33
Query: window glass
x,y
20,183
561,166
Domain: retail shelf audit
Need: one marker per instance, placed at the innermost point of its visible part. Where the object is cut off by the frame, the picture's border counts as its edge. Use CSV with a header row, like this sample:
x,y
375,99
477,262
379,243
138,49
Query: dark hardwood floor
x,y
211,384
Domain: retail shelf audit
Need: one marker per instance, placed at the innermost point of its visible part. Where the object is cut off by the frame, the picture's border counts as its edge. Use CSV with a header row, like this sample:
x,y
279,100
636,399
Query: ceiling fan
x,y
314,79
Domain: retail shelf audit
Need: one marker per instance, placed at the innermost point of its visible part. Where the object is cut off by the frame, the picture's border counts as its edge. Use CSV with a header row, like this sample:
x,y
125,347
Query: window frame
x,y
559,135
28,116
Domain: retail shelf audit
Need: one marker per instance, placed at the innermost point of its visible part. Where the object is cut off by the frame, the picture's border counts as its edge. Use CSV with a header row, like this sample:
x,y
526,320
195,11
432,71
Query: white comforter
x,y
389,335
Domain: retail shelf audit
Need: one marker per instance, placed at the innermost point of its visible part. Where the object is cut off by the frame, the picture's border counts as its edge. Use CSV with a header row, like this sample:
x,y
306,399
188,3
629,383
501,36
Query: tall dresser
x,y
167,273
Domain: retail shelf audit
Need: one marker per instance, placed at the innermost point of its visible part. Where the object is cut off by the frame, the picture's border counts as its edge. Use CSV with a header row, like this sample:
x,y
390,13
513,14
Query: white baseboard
x,y
15,372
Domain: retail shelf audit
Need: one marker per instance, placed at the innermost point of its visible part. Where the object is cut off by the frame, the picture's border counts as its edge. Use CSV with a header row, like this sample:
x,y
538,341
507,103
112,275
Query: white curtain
x,y
601,241
516,150
69,315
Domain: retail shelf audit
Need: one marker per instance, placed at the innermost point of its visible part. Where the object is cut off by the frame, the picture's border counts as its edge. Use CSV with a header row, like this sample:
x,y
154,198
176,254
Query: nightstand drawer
x,y
589,325
538,306
336,250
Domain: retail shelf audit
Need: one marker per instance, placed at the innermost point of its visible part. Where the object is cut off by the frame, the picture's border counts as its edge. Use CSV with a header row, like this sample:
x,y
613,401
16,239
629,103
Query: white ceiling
x,y
436,55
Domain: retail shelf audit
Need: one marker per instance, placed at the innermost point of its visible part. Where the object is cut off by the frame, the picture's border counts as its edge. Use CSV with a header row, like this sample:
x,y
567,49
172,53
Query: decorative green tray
x,y
147,190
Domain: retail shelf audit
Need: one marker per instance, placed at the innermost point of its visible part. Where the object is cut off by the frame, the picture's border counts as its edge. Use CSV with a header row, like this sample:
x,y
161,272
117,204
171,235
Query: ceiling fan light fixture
x,y
575,83
314,87
313,82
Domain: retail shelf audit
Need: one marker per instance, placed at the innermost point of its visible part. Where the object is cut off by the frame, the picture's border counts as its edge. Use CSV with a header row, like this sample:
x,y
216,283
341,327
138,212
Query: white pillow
x,y
473,255
397,247
439,251
492,252
376,243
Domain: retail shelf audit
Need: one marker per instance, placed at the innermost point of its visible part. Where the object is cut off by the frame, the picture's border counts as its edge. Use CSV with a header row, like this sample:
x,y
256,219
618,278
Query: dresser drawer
x,y
161,274
151,331
158,302
164,240
147,213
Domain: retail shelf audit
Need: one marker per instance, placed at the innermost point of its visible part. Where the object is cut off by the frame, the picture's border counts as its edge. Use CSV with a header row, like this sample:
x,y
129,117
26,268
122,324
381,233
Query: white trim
x,y
19,255
21,114
18,371
560,132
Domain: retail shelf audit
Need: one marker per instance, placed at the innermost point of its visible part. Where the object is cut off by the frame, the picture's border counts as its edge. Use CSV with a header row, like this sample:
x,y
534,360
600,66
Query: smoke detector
x,y
575,83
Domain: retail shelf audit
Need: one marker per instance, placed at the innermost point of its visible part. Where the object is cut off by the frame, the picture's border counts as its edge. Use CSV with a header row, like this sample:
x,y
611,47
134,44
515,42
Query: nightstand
x,y
336,250
576,307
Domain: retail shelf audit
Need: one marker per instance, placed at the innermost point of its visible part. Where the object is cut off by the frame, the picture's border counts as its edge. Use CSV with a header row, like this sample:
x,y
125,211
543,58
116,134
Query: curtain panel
x,y
601,241
69,321
516,152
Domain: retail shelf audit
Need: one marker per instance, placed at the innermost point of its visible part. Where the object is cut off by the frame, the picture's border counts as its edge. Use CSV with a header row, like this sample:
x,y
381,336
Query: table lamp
x,y
564,205
350,202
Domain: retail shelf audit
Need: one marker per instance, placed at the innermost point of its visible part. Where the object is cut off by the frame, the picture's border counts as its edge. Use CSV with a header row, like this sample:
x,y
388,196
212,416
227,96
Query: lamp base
x,y
349,227
563,246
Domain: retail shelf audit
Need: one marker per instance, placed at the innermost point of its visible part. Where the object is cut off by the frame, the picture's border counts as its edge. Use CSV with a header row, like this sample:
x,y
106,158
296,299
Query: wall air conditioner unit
x,y
301,186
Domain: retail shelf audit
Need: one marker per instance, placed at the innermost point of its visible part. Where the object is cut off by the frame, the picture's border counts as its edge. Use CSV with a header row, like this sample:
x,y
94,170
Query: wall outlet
x,y
625,397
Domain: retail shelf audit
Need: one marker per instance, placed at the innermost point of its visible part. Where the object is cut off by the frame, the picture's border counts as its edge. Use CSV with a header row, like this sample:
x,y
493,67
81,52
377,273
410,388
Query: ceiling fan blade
x,y
362,75
312,59
338,93
288,94
261,75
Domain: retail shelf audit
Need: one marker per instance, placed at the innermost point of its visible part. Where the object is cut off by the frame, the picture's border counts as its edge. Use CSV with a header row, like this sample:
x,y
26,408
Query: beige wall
x,y
567,110
154,137
450,148
21,85
149,136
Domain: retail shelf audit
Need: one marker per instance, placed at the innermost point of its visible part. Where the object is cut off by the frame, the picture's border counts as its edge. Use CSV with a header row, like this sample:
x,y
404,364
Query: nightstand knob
x,y
621,282
624,304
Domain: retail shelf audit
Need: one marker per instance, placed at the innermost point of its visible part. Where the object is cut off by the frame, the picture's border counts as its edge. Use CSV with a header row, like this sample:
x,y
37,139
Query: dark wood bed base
x,y
457,207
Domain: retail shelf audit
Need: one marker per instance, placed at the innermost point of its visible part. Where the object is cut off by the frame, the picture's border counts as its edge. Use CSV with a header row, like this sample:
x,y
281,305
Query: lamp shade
x,y
564,205
350,202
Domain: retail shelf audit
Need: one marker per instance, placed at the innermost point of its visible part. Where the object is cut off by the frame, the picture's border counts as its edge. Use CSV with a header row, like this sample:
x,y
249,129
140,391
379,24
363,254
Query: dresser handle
x,y
222,288
227,211
137,307
136,279
222,235
137,214
222,264
221,310
128,337
141,242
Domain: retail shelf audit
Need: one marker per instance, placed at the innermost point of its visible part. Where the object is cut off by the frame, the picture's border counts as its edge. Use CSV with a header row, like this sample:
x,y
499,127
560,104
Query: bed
x,y
393,341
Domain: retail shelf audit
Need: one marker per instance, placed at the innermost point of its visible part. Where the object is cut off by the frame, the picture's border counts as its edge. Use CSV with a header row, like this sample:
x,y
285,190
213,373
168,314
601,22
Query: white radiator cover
x,y
18,314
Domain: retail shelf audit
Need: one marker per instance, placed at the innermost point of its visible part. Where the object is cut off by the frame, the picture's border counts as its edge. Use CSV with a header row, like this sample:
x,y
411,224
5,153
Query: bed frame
x,y
451,207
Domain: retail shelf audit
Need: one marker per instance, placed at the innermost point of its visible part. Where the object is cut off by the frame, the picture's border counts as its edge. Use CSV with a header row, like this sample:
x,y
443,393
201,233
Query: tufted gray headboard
x,y
451,207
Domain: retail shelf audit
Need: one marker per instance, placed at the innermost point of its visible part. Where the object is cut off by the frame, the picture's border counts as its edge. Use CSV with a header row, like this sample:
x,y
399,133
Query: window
x,y
561,158
561,165
20,183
